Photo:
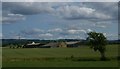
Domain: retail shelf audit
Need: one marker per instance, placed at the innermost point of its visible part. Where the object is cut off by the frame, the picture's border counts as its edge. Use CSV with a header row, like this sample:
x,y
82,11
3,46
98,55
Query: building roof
x,y
57,44
52,44
33,43
74,42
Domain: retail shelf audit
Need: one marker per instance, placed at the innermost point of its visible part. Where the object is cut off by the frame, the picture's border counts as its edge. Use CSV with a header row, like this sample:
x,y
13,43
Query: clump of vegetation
x,y
72,56
98,42
15,46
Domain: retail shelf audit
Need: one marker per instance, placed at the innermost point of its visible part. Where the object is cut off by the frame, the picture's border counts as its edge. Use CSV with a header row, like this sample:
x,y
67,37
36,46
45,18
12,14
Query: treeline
x,y
113,41
17,42
7,42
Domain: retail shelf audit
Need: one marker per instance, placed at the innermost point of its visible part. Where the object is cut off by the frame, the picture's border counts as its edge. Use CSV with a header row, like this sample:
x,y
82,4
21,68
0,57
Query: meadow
x,y
82,56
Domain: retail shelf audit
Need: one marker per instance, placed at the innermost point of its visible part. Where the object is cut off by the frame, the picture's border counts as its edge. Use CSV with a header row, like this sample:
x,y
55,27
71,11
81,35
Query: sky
x,y
58,20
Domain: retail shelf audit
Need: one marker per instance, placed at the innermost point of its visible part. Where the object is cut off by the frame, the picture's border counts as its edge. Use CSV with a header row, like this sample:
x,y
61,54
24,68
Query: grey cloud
x,y
43,34
27,8
46,35
11,18
32,32
96,11
22,8
56,30
76,12
109,8
111,35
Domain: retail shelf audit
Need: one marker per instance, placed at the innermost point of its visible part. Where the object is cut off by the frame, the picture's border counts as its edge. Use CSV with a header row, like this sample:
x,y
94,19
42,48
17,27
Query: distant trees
x,y
97,41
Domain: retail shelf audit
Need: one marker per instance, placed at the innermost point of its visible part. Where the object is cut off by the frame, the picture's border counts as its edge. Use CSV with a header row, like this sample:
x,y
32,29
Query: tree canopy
x,y
97,41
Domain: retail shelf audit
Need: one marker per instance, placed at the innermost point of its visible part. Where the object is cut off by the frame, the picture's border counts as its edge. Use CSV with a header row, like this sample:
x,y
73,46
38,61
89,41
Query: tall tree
x,y
98,42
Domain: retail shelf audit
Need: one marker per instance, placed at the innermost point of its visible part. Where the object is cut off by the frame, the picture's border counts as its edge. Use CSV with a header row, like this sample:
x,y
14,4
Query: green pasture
x,y
58,57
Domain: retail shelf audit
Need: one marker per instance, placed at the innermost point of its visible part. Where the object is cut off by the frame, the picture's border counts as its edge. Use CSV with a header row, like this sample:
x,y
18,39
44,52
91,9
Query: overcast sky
x,y
59,20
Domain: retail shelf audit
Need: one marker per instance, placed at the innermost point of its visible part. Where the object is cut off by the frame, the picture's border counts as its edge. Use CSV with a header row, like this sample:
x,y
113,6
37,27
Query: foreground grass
x,y
61,64
0,57
59,57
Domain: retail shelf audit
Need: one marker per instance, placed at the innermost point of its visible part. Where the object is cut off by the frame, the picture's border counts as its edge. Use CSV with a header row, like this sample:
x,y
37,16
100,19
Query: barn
x,y
52,45
73,44
32,45
55,45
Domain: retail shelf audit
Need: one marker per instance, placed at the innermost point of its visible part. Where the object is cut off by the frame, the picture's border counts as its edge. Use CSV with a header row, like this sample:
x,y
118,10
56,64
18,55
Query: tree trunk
x,y
103,58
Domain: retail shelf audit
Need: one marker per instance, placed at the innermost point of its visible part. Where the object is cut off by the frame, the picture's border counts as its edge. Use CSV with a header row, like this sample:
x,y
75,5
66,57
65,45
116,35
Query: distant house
x,y
73,44
32,45
55,45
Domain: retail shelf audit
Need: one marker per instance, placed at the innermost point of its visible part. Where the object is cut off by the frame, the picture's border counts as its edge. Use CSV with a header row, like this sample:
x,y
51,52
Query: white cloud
x,y
11,18
55,30
105,34
99,25
73,31
46,35
34,31
111,35
89,30
70,11
102,26
37,30
10,14
16,11
102,16
77,12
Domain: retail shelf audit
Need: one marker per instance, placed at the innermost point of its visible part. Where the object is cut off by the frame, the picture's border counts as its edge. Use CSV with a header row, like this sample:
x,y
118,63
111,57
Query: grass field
x,y
0,56
58,57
